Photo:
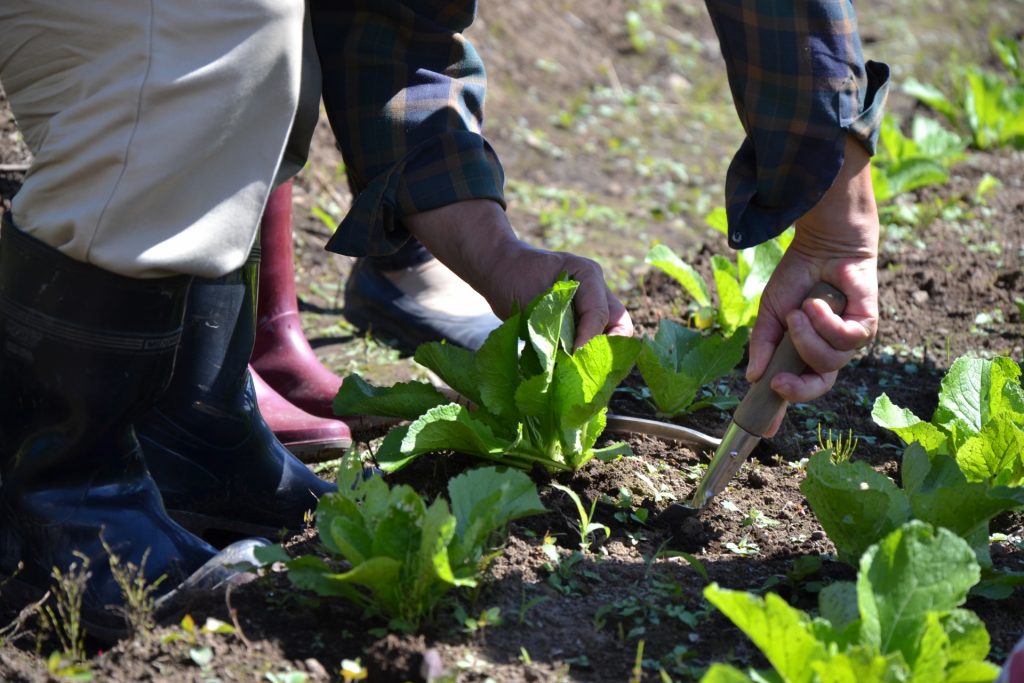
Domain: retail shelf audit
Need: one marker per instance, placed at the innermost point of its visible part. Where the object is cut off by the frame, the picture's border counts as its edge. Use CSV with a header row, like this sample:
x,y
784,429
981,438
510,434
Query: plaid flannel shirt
x,y
404,93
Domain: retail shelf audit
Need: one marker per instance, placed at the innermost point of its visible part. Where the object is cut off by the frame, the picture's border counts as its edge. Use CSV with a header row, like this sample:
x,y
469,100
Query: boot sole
x,y
311,452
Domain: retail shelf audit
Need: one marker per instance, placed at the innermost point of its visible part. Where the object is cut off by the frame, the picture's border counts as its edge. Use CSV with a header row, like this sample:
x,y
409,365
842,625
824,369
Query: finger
x,y
591,304
803,388
841,333
765,336
619,322
819,355
776,421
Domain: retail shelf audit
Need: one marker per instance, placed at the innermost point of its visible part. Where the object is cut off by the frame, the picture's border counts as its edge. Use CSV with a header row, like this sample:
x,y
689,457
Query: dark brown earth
x,y
589,622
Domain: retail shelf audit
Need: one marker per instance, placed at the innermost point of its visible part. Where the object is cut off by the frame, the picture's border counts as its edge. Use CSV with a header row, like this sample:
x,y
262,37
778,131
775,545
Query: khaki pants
x,y
157,126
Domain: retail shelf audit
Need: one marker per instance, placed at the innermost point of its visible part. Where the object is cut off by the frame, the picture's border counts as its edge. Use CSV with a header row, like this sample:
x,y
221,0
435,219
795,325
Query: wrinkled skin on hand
x,y
836,242
475,240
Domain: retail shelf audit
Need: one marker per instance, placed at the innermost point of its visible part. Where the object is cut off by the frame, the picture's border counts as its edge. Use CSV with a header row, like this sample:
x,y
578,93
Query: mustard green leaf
x,y
455,366
909,427
663,258
910,573
855,504
496,367
996,454
781,632
406,400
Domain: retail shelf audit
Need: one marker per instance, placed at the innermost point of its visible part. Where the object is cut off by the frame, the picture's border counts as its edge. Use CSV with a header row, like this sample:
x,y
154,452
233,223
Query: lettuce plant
x,y
738,285
979,420
678,361
900,621
908,163
404,555
536,402
857,505
986,104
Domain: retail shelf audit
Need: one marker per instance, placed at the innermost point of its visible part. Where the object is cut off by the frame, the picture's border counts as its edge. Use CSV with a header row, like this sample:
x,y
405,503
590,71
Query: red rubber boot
x,y
281,354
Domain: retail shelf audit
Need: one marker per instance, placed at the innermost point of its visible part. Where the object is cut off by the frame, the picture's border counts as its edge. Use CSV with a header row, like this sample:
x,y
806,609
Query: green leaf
x,y
756,266
732,305
718,219
932,96
996,454
455,365
453,427
724,673
855,504
406,400
585,380
968,638
551,324
972,393
907,426
941,495
781,632
679,361
663,258
837,603
913,571
497,369
484,501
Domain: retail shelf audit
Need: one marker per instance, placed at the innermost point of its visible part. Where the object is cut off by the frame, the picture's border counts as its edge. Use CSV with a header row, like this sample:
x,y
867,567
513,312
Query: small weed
x,y
745,547
587,525
64,616
139,594
842,448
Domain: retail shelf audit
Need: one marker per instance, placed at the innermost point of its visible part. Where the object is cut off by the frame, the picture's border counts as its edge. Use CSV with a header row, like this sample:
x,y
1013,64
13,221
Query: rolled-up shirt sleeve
x,y
404,93
800,84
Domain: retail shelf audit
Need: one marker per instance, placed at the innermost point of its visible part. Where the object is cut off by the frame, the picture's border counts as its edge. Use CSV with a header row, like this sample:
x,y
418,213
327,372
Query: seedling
x,y
587,525
405,555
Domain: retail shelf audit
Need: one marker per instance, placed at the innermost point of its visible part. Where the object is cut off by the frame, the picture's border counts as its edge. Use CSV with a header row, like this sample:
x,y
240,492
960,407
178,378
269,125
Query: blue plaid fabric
x,y
800,84
404,93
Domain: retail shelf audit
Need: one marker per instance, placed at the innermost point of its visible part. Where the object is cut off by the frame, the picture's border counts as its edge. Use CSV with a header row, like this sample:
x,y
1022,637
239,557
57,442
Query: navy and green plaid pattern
x,y
800,83
404,93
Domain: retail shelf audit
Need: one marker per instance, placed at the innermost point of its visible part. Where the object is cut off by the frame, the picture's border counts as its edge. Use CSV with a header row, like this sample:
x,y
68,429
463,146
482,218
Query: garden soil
x,y
633,601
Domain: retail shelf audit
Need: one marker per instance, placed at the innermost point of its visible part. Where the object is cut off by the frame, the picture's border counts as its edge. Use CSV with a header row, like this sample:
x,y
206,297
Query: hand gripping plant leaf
x,y
542,405
900,621
979,420
404,554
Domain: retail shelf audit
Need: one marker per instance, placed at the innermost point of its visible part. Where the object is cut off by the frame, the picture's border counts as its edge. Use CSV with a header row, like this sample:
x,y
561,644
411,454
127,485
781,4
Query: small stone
x,y
817,535
316,669
920,296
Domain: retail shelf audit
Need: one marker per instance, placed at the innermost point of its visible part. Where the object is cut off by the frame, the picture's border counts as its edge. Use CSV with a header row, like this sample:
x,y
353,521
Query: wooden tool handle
x,y
758,408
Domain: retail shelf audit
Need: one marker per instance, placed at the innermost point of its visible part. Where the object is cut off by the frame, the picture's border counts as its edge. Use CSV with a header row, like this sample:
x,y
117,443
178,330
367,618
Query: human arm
x,y
811,107
404,93
475,239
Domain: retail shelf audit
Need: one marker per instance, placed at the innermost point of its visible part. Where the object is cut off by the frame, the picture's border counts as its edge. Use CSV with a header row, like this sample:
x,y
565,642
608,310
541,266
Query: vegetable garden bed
x,y
557,605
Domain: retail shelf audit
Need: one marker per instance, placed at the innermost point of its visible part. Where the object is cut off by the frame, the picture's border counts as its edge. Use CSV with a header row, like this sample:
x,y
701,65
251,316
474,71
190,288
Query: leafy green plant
x,y
404,554
987,105
908,163
738,285
900,621
979,420
857,505
679,361
543,405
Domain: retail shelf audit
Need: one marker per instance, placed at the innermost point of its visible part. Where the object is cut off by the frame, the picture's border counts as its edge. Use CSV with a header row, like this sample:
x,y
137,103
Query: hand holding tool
x,y
753,416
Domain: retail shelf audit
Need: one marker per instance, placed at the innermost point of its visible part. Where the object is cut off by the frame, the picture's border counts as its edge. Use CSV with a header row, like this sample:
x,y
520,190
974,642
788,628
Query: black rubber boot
x,y
82,352
221,470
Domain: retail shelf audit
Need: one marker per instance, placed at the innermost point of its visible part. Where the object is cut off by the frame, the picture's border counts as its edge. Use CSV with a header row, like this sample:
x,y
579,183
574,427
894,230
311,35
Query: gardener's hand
x,y
475,240
836,242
